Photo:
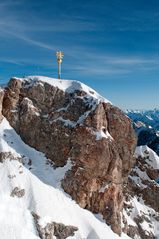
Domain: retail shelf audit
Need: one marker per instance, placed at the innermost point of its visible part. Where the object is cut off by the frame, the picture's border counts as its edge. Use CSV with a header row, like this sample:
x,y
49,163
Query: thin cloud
x,y
8,3
26,29
13,25
7,33
129,61
140,21
11,61
100,71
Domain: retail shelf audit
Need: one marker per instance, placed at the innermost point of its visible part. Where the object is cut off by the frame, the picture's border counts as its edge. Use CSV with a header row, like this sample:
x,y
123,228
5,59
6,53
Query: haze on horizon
x,y
109,45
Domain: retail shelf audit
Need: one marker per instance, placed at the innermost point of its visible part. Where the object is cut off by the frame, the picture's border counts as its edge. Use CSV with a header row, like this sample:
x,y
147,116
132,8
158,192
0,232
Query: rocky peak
x,y
67,120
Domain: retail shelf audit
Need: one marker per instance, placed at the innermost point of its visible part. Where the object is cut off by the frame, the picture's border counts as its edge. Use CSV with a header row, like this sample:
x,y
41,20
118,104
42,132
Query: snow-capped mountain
x,y
147,118
146,125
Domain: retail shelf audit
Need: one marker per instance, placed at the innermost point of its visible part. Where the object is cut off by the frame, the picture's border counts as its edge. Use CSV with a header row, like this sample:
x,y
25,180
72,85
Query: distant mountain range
x,y
146,125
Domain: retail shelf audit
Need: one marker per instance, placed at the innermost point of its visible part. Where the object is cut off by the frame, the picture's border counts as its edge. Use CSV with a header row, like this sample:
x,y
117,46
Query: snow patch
x,y
100,134
103,189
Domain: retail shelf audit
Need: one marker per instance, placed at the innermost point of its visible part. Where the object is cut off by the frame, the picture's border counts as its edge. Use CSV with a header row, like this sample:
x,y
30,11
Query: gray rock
x,y
17,192
53,229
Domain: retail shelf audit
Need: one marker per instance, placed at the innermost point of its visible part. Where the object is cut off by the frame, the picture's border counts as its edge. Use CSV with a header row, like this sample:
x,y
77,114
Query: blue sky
x,y
111,45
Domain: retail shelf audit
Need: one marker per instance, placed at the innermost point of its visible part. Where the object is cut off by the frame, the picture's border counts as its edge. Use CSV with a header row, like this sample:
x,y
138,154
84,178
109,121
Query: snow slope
x,y
43,194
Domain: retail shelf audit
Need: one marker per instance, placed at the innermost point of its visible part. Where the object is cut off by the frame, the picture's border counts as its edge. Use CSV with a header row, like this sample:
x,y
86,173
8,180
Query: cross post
x,y
59,55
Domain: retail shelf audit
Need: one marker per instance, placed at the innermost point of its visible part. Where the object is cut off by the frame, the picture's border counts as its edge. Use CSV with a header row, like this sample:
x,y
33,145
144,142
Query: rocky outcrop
x,y
75,124
53,230
141,208
17,192
8,155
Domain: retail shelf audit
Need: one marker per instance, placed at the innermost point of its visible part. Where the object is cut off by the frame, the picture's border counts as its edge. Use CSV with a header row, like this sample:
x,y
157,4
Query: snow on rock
x,y
69,86
43,194
139,214
152,159
101,134
141,210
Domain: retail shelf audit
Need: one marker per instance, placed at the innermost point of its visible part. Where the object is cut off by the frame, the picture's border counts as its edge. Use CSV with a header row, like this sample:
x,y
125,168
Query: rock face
x,y
141,208
70,121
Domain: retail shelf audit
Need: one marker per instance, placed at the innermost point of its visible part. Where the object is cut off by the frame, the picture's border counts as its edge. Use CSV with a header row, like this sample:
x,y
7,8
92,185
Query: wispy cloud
x,y
92,64
99,70
31,30
109,65
26,27
29,40
11,61
137,21
146,21
130,60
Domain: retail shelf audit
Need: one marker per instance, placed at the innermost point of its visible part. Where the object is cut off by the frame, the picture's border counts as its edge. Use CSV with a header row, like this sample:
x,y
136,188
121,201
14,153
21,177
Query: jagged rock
x,y
74,124
130,230
143,188
17,192
10,156
53,230
153,173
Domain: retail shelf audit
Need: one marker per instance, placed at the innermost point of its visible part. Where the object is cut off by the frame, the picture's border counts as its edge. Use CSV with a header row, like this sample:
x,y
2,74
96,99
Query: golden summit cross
x,y
59,55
